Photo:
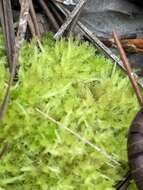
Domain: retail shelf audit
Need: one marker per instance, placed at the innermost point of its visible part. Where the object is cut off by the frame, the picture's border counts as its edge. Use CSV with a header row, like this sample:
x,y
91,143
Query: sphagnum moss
x,y
67,121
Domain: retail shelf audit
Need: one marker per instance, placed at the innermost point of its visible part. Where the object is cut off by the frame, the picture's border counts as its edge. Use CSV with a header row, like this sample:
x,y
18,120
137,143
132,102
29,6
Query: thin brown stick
x,y
25,5
31,26
30,23
34,19
56,13
49,14
128,68
8,28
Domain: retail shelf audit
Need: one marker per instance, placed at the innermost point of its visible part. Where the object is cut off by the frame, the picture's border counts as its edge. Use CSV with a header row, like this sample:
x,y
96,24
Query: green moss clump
x,y
83,92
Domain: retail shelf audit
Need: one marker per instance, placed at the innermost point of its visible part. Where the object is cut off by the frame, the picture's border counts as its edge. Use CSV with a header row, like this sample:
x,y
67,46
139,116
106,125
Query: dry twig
x,y
70,18
48,14
128,68
34,19
25,5
8,28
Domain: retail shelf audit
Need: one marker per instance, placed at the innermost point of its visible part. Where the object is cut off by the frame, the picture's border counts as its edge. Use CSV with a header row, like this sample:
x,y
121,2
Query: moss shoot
x,y
67,121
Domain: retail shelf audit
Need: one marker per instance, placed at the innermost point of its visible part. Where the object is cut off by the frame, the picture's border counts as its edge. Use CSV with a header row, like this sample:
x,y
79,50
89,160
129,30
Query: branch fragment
x,y
8,29
48,14
25,5
70,18
128,68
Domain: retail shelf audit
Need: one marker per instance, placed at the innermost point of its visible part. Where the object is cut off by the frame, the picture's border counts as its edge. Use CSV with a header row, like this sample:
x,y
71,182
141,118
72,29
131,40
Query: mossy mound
x,y
67,121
